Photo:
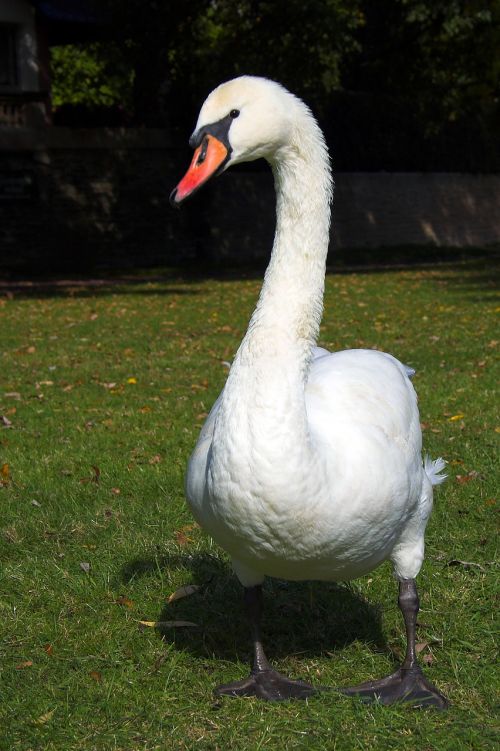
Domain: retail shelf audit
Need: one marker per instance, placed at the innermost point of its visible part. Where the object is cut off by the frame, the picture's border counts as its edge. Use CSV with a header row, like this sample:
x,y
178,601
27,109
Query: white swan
x,y
309,465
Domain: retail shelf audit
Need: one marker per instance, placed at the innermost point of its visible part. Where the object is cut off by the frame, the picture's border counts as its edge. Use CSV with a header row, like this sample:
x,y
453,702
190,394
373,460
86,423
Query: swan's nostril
x,y
203,152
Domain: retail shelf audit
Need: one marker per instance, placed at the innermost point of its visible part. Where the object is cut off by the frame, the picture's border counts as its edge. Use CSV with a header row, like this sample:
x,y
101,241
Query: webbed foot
x,y
406,684
269,685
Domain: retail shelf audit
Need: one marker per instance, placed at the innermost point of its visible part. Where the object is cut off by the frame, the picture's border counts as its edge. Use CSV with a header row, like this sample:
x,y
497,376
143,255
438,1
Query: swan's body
x,y
357,496
309,465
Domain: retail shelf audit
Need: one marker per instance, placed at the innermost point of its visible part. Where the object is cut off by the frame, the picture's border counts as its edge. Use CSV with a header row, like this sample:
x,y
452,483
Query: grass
x,y
105,389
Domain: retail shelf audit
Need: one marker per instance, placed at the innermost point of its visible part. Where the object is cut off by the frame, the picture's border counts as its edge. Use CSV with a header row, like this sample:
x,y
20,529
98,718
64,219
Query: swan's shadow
x,y
300,618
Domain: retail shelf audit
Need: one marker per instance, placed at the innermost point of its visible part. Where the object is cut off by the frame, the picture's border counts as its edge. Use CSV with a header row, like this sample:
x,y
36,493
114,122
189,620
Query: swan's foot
x,y
269,685
406,684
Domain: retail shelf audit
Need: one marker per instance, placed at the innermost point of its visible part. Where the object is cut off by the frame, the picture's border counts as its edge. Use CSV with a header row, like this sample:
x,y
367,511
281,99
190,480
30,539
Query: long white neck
x,y
287,317
264,393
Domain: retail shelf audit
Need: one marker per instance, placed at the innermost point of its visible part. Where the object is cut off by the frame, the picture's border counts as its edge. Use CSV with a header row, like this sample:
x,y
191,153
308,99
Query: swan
x,y
309,464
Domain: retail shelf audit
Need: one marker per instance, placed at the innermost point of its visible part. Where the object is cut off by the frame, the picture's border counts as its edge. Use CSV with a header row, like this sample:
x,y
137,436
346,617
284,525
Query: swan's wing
x,y
207,429
197,465
362,411
319,352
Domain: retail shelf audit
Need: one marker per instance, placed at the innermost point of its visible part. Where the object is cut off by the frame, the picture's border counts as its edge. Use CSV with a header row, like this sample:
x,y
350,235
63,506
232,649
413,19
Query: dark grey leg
x,y
263,682
408,683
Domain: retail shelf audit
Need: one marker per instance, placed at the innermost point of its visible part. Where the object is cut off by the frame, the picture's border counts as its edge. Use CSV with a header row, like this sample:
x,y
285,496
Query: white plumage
x,y
309,465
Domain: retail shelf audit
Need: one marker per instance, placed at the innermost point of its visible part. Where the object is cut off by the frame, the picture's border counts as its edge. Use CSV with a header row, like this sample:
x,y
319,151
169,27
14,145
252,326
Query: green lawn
x,y
103,391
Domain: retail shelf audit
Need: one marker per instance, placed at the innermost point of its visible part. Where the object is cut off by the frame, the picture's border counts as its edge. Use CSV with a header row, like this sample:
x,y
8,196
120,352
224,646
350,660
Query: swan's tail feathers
x,y
433,468
410,372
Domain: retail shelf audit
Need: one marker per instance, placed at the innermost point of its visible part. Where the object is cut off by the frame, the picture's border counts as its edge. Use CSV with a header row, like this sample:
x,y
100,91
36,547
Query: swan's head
x,y
241,120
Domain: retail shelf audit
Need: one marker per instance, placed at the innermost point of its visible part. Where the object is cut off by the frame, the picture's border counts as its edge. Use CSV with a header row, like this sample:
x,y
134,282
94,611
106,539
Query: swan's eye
x,y
234,113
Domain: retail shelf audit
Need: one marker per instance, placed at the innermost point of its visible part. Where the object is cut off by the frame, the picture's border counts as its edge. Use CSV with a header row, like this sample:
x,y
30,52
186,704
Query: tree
x,y
94,75
441,57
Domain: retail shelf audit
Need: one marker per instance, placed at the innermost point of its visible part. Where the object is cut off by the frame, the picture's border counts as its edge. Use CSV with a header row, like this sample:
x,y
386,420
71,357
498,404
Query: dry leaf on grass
x,y
44,718
185,591
463,479
25,664
181,537
420,646
465,564
96,676
5,421
168,624
85,566
49,649
5,474
122,600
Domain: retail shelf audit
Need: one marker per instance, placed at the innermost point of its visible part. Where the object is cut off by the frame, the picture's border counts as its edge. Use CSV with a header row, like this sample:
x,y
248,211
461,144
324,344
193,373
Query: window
x,y
8,61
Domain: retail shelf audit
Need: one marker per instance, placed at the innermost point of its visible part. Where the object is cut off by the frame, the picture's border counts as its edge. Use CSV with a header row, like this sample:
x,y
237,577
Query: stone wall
x,y
100,197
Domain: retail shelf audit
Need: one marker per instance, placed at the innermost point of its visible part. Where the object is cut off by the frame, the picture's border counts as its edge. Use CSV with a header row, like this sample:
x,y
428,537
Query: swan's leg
x,y
408,683
263,682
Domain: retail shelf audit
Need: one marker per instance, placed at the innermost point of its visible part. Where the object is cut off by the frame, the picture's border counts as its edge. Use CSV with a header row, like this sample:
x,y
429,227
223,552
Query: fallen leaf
x,y
95,476
11,535
454,418
5,473
122,600
463,479
49,649
428,659
169,624
156,459
159,662
181,538
35,503
465,564
85,566
420,646
131,380
96,676
25,664
44,718
185,591
5,421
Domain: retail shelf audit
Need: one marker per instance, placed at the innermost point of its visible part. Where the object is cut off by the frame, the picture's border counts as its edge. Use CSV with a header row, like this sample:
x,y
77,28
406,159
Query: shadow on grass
x,y
82,287
479,267
300,618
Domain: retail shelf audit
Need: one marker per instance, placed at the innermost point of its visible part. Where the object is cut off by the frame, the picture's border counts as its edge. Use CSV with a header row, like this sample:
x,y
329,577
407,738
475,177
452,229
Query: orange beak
x,y
207,159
